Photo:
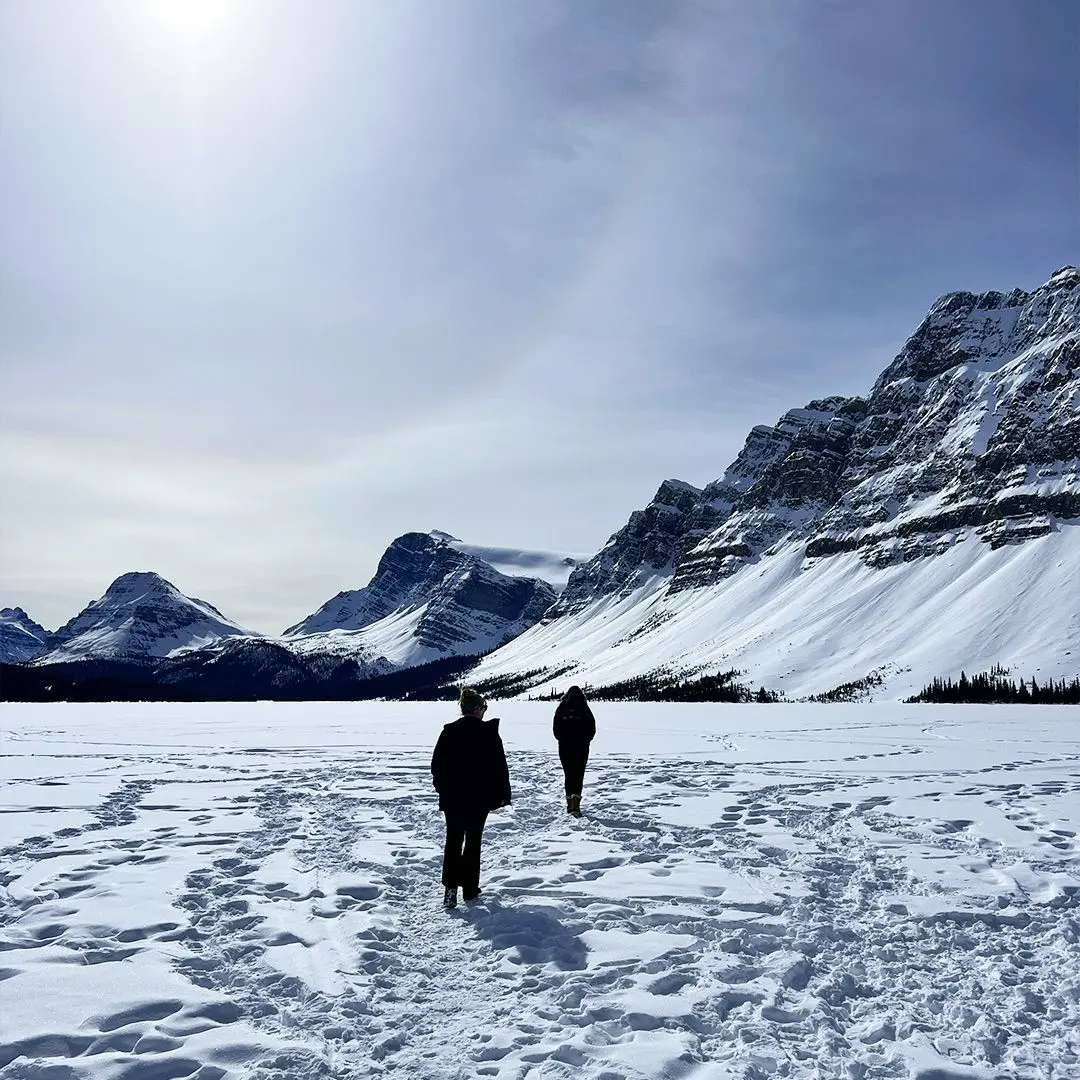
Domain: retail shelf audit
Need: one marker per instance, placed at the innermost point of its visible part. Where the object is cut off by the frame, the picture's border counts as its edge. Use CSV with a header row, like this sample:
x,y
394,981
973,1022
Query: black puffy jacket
x,y
574,722
469,767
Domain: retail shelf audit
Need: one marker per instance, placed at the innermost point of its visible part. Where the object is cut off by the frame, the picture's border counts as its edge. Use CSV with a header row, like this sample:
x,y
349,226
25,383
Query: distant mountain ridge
x,y
975,423
884,539
431,598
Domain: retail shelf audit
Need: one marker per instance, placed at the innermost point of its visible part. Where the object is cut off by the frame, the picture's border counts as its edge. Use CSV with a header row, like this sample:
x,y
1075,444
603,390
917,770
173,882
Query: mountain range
x,y
877,541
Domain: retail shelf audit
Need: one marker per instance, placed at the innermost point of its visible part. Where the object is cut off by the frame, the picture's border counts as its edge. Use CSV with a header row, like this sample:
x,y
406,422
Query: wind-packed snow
x,y
806,626
794,891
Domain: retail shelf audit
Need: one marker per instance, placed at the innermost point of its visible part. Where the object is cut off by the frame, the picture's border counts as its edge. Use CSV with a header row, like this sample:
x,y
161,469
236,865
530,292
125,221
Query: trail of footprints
x,y
776,984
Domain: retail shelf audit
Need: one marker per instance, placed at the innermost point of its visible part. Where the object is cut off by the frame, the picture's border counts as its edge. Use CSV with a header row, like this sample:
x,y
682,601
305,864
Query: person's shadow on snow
x,y
534,932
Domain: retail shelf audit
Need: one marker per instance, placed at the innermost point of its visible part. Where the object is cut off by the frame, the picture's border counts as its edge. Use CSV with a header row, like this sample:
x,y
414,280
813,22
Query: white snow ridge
x,y
217,892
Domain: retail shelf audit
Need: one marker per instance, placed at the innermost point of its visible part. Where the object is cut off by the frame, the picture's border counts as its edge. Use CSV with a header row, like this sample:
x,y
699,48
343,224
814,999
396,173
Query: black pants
x,y
461,856
574,758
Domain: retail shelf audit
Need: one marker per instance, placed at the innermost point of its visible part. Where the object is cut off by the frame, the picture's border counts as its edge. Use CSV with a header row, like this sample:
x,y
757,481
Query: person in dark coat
x,y
470,774
574,728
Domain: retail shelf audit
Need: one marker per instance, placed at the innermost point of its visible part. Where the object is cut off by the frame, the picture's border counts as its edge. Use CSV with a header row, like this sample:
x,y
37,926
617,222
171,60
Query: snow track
x,y
870,910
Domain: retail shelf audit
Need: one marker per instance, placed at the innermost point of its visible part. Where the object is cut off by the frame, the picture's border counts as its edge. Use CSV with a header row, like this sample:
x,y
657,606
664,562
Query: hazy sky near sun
x,y
283,279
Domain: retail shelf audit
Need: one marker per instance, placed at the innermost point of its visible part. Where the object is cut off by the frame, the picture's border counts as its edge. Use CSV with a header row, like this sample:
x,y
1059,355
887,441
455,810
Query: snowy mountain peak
x,y
969,439
964,327
140,617
431,596
21,639
17,615
139,580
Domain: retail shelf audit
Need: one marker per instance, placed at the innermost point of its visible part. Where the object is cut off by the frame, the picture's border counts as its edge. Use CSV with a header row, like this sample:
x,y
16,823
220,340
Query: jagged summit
x,y
971,436
21,638
430,597
985,328
17,615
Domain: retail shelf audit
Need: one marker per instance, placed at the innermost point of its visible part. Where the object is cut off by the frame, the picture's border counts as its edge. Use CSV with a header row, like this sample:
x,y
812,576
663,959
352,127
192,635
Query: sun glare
x,y
191,22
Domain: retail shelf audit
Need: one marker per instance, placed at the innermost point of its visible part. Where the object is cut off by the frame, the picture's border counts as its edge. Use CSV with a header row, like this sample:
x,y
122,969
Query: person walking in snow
x,y
470,774
574,728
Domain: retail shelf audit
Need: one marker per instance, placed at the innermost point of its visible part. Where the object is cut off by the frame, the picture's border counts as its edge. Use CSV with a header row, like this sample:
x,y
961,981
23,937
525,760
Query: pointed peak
x,y
678,485
139,580
676,493
1066,277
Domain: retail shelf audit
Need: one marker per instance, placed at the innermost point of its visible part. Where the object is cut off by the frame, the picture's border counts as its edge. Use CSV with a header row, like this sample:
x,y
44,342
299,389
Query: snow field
x,y
222,891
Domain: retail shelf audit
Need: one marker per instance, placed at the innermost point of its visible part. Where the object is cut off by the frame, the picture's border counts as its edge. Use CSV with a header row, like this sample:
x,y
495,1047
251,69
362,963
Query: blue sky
x,y
283,280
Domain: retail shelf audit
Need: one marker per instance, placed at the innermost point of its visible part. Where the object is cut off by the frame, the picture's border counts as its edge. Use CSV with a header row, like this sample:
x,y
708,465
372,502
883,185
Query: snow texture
x,y
216,892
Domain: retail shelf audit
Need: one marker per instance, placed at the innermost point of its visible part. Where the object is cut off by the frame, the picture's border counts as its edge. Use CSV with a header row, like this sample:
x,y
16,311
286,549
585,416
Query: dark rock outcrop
x,y
974,426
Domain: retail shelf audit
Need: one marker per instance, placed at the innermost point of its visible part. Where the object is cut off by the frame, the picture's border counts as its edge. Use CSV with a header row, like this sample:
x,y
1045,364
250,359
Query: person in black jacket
x,y
470,774
574,728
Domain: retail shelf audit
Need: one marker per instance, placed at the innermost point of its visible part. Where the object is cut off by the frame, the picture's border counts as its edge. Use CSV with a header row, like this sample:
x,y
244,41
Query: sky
x,y
280,281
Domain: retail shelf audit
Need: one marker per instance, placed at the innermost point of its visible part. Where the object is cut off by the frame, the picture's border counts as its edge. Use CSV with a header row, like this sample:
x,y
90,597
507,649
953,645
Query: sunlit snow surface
x,y
753,891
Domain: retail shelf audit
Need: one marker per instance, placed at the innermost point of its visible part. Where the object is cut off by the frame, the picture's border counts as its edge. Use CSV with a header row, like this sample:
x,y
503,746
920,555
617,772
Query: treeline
x,y
239,677
856,690
662,686
995,687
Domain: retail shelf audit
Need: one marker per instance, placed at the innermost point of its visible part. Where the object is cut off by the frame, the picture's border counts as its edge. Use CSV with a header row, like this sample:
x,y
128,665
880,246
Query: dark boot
x,y
449,899
575,805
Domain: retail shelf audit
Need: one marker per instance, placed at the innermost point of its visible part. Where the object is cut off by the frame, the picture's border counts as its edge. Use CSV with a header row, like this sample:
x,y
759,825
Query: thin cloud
x,y
275,292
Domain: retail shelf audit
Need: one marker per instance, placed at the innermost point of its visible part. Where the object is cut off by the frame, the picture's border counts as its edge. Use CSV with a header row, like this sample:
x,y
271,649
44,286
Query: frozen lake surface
x,y
251,890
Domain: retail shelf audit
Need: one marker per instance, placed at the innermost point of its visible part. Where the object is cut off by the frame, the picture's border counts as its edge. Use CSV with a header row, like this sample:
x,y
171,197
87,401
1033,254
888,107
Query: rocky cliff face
x,y
646,547
444,600
140,617
411,569
973,430
971,433
21,638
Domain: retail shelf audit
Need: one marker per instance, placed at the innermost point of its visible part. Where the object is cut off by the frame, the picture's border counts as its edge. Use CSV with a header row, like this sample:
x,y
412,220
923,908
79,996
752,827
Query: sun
x,y
191,22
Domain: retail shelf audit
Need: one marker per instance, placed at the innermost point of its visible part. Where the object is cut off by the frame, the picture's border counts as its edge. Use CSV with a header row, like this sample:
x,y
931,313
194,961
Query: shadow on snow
x,y
534,932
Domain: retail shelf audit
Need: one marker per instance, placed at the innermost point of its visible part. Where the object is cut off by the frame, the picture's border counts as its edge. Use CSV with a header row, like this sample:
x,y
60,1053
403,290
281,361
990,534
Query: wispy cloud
x,y
278,287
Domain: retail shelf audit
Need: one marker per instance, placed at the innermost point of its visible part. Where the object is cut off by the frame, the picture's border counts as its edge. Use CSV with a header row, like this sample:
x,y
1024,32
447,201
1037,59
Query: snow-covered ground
x,y
222,891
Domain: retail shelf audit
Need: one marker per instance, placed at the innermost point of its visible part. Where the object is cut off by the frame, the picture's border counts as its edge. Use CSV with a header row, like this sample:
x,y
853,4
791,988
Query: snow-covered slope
x,y
140,617
806,626
21,638
754,892
836,544
429,598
